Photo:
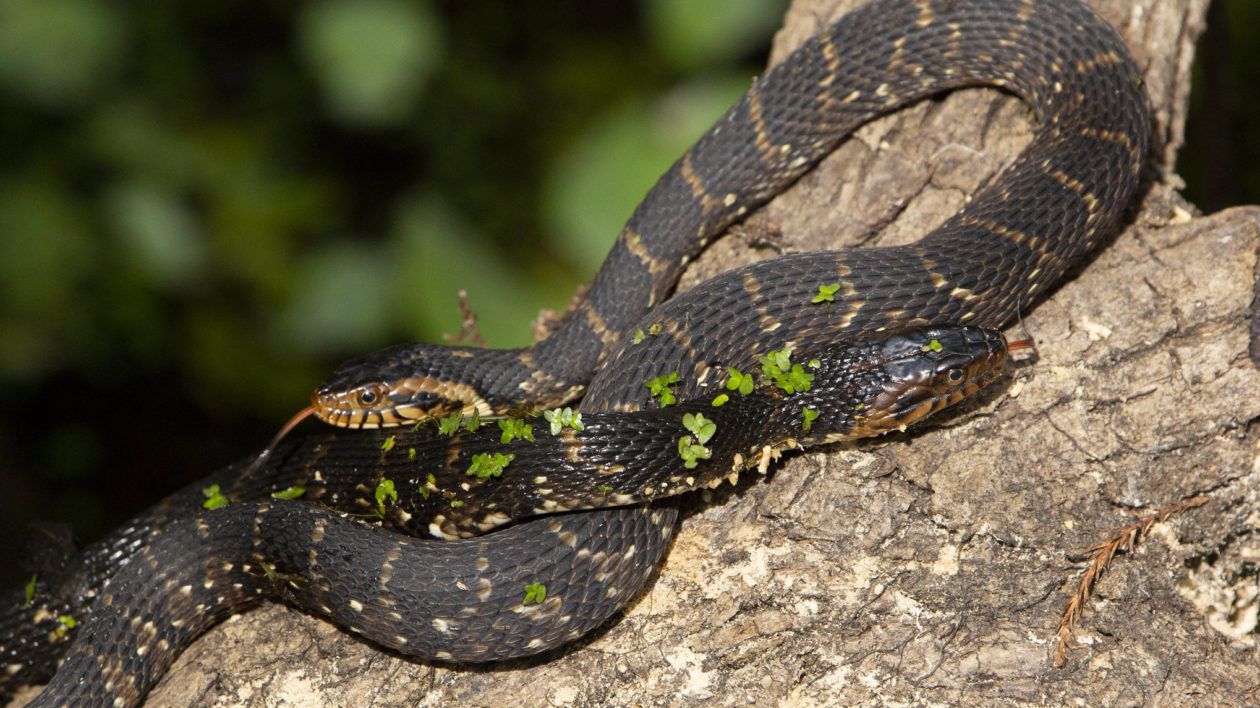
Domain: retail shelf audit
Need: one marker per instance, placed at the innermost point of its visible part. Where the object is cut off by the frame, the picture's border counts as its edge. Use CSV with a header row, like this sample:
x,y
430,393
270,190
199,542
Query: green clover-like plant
x,y
810,415
384,490
660,388
561,417
701,427
214,498
739,381
826,293
536,593
514,428
449,425
489,465
692,452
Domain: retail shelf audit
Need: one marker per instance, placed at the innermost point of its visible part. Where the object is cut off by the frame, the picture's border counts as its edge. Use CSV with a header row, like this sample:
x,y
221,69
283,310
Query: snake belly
x,y
1015,238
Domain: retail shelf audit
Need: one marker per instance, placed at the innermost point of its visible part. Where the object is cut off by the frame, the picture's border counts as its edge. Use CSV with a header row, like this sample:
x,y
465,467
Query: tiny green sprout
x,y
431,481
449,425
826,293
691,452
388,444
474,422
660,387
635,239
701,427
604,490
778,367
814,363
655,330
30,590
455,503
777,362
739,381
411,453
560,417
384,488
932,346
536,593
810,416
486,465
289,493
514,428
638,336
65,624
720,399
214,498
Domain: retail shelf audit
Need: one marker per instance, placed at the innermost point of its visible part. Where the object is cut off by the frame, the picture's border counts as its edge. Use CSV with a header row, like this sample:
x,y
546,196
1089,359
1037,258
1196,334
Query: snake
x,y
918,315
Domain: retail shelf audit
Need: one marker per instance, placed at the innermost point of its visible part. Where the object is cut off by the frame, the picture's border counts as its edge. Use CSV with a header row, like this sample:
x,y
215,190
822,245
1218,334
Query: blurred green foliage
x,y
205,206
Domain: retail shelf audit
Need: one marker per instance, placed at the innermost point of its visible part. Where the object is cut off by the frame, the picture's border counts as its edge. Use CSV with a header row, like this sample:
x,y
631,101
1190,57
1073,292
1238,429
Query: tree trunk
x,y
930,566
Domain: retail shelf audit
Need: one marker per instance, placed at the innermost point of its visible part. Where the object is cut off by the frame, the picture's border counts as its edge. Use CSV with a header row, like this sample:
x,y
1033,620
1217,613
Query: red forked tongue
x,y
284,430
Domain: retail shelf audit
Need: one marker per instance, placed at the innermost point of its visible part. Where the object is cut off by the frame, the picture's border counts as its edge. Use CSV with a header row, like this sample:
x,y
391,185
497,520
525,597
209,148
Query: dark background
x,y
204,207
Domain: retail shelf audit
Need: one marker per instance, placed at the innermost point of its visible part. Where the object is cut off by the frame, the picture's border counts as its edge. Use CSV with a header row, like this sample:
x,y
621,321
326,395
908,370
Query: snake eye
x,y
369,397
955,376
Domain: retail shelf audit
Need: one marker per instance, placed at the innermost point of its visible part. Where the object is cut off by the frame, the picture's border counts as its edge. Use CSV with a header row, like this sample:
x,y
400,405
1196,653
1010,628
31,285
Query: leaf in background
x,y
370,57
59,53
694,34
596,182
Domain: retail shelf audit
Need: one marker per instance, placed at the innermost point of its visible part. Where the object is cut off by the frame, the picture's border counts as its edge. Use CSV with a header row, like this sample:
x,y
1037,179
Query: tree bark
x,y
930,566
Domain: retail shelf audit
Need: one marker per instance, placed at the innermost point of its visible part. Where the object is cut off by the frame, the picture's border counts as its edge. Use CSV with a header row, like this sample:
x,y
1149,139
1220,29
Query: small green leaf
x,y
932,346
65,624
701,427
384,489
638,336
660,388
449,425
474,422
691,452
536,593
455,503
560,417
30,590
289,493
411,453
214,499
655,330
826,293
388,444
810,416
486,465
604,490
720,399
739,381
514,428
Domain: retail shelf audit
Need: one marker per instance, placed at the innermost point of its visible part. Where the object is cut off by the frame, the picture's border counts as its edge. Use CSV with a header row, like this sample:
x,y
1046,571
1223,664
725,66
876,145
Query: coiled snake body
x,y
185,568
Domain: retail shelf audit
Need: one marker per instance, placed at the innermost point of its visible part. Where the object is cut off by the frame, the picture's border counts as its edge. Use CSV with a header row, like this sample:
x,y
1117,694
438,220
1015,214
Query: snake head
x,y
926,369
398,386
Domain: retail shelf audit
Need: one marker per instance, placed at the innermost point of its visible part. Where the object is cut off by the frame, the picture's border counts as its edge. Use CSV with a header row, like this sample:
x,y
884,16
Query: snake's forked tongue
x,y
284,430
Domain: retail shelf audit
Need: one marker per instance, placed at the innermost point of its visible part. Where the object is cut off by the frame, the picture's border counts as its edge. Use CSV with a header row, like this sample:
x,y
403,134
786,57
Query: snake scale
x,y
149,588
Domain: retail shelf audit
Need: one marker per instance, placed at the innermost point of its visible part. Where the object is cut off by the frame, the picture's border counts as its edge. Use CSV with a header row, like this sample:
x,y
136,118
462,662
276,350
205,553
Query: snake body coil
x,y
155,584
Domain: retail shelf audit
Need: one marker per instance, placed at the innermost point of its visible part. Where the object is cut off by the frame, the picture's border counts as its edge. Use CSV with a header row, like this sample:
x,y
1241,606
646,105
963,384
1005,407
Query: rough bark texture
x,y
929,567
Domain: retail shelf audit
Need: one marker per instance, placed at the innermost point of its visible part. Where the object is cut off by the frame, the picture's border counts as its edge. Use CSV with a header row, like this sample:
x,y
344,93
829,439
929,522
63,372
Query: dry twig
x,y
468,332
1123,539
